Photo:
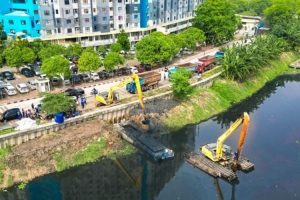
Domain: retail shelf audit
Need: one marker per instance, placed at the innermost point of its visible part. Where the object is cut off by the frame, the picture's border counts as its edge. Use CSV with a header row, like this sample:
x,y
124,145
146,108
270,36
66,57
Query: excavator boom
x,y
243,134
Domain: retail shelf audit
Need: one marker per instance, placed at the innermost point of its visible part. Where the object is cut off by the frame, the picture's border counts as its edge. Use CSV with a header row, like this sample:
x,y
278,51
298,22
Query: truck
x,y
148,80
192,67
206,63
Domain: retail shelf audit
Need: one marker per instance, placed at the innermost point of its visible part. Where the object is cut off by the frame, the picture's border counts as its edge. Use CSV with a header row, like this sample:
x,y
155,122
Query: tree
x,y
17,56
123,40
111,60
101,50
37,44
74,50
191,37
155,48
278,13
217,19
116,47
89,61
180,83
56,65
56,103
178,41
51,50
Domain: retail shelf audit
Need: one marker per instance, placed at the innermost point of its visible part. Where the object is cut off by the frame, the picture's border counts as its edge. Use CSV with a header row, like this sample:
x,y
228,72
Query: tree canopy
x,y
181,86
111,60
17,56
51,50
89,61
123,40
116,47
56,65
191,37
217,19
154,48
56,103
74,50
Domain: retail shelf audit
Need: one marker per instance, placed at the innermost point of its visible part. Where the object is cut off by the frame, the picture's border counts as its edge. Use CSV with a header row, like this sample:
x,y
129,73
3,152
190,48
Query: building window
x,y
69,30
34,1
11,22
58,21
85,1
67,12
48,22
94,10
86,20
135,16
76,20
95,19
46,12
67,2
112,26
103,1
111,17
110,8
37,21
120,26
12,31
104,27
104,18
86,11
103,9
75,11
136,24
135,8
69,21
119,8
36,12
75,1
120,18
120,1
23,22
56,11
87,29
95,27
38,31
135,1
49,32
58,30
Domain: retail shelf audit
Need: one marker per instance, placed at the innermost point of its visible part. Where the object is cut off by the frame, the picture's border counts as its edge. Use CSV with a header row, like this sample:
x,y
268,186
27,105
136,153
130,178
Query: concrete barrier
x,y
112,114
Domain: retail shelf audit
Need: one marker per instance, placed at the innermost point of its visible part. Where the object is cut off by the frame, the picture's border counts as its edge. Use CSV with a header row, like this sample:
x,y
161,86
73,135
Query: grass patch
x,y
3,153
92,152
6,131
204,103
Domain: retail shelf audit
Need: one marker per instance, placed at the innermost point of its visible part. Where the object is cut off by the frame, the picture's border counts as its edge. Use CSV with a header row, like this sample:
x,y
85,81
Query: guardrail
x,y
113,114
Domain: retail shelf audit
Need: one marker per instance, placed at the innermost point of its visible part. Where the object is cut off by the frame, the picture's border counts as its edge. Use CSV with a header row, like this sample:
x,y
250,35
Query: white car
x,y
94,76
22,88
10,90
32,84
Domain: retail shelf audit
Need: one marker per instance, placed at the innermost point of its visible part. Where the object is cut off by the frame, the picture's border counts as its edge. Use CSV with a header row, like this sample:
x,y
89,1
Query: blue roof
x,y
17,13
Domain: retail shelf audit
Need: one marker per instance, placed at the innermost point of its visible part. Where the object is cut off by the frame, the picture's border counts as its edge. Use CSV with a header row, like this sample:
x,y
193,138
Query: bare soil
x,y
35,158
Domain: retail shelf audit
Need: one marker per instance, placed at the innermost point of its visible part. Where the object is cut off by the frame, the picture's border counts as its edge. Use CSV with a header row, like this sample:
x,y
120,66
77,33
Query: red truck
x,y
206,63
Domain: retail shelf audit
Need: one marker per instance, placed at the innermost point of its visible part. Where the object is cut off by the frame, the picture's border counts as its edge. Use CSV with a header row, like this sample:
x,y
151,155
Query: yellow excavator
x,y
113,96
221,152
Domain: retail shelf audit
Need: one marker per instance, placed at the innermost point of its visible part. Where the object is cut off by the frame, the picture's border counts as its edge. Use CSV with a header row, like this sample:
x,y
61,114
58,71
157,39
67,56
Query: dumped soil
x,y
35,158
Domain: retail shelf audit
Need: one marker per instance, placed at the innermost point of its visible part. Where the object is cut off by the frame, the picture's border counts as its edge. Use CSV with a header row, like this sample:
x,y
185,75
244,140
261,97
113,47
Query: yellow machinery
x,y
221,152
112,96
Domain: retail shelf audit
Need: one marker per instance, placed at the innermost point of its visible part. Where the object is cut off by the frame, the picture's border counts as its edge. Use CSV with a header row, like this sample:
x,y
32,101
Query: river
x,y
272,143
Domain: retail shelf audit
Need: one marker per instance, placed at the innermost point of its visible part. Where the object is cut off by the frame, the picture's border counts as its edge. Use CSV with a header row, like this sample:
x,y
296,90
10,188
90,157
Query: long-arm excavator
x,y
221,152
112,96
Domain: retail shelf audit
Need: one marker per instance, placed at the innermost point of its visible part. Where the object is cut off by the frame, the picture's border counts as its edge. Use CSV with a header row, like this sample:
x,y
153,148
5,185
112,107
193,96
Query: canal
x,y
272,143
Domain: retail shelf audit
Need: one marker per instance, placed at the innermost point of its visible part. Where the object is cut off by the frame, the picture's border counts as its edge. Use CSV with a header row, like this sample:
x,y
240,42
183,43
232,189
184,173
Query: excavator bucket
x,y
101,100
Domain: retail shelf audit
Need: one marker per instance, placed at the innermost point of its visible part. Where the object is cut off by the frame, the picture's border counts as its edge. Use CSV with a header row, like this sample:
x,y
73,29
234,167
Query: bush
x,y
180,83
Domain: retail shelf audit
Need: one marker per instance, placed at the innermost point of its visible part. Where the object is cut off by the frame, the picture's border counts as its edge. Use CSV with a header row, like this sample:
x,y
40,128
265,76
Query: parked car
x,y
10,114
55,81
103,75
27,72
8,75
10,90
74,92
133,70
75,79
36,68
22,88
84,77
94,76
2,92
32,84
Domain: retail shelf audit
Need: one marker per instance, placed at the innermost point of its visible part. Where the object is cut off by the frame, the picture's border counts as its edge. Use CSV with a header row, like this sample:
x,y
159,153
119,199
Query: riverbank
x,y
205,103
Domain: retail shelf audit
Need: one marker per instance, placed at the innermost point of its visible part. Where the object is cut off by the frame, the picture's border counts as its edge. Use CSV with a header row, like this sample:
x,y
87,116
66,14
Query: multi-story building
x,y
96,22
20,17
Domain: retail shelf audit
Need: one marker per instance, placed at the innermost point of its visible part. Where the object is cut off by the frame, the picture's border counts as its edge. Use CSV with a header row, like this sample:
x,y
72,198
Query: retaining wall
x,y
112,114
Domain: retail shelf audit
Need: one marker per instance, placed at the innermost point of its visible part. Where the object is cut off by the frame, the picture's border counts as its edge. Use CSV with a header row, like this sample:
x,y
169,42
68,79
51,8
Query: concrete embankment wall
x,y
113,114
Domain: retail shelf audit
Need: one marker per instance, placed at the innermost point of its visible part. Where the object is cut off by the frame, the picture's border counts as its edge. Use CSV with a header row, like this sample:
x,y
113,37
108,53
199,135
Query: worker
x,y
199,74
166,76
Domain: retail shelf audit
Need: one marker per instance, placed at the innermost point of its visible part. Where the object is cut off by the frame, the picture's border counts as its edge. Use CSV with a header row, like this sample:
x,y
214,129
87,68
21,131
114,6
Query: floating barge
x,y
156,150
215,169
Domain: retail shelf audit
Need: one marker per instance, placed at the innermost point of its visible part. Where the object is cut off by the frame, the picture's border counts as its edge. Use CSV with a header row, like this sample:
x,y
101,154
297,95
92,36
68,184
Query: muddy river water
x,y
272,143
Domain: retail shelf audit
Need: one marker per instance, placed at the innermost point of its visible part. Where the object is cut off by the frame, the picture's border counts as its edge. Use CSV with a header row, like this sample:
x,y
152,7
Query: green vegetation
x,y
56,65
50,51
56,103
89,61
17,56
91,153
111,60
243,61
216,18
116,47
204,103
6,131
180,83
74,50
123,40
3,153
22,185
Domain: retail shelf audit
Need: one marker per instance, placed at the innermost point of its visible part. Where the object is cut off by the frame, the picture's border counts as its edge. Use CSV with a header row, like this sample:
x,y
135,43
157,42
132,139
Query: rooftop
x,y
17,13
